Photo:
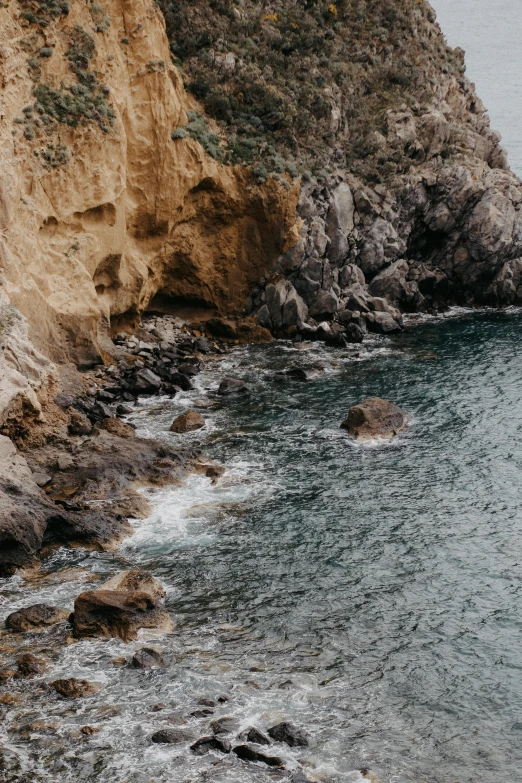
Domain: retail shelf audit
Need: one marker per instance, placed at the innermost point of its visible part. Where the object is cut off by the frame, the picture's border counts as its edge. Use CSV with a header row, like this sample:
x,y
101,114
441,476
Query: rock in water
x,y
171,736
375,418
287,732
74,689
121,606
187,422
230,386
35,618
251,734
206,744
247,753
29,665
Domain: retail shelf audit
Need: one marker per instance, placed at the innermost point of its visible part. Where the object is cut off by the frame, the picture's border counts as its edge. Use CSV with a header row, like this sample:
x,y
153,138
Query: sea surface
x,y
490,31
371,594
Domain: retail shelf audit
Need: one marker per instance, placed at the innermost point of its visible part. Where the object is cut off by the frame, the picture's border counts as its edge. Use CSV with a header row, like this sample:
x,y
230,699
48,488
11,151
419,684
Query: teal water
x,y
380,585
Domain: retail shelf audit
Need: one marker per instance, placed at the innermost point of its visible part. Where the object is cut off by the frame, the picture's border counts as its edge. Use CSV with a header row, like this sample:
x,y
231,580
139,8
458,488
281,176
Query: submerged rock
x,y
73,688
35,618
29,665
121,606
288,733
147,658
188,421
248,753
375,418
224,725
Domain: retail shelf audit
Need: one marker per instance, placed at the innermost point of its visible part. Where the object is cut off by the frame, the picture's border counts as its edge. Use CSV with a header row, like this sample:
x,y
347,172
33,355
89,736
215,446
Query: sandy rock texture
x,y
103,221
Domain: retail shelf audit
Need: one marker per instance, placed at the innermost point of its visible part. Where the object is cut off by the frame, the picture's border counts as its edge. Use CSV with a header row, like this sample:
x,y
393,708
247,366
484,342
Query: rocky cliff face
x,y
100,209
407,201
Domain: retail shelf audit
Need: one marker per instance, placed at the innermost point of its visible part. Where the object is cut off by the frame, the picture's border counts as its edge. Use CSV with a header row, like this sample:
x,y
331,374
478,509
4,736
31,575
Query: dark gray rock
x,y
248,753
254,735
229,386
64,400
206,744
147,658
382,323
288,733
325,306
225,725
171,736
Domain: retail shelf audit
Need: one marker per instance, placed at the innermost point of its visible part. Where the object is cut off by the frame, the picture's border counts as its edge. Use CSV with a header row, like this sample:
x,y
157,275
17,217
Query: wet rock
x,y
254,735
171,736
382,323
88,731
118,427
299,777
293,374
375,418
147,658
354,333
29,665
325,306
206,744
224,725
121,606
73,688
146,382
229,386
248,753
188,421
178,379
202,345
207,703
35,618
288,733
204,713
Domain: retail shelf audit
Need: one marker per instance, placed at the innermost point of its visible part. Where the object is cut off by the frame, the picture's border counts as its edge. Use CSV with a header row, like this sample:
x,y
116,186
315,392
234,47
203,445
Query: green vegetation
x,y
99,17
43,12
77,104
53,155
307,86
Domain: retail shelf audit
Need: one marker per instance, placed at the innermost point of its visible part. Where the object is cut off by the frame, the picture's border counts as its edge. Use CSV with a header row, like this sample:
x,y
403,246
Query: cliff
x,y
100,209
300,161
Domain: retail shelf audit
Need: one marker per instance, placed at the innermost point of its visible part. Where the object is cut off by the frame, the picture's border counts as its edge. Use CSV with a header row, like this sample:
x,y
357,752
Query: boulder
x,y
288,733
178,379
325,306
382,323
286,308
340,222
229,386
188,421
120,607
171,736
118,427
73,688
390,283
206,744
251,734
375,418
79,424
353,333
35,618
248,753
147,658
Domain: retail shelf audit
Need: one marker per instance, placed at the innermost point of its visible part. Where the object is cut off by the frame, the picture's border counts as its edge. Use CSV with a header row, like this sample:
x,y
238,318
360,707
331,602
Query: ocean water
x,y
370,594
490,31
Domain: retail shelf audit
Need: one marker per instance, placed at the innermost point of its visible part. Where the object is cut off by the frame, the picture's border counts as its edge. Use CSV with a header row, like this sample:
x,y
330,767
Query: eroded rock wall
x,y
97,219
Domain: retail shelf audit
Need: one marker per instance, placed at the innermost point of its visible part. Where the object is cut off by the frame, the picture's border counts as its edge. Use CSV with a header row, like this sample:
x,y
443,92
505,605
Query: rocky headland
x,y
180,178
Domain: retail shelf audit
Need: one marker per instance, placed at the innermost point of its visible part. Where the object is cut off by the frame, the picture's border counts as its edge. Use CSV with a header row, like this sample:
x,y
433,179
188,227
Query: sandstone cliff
x,y
100,209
